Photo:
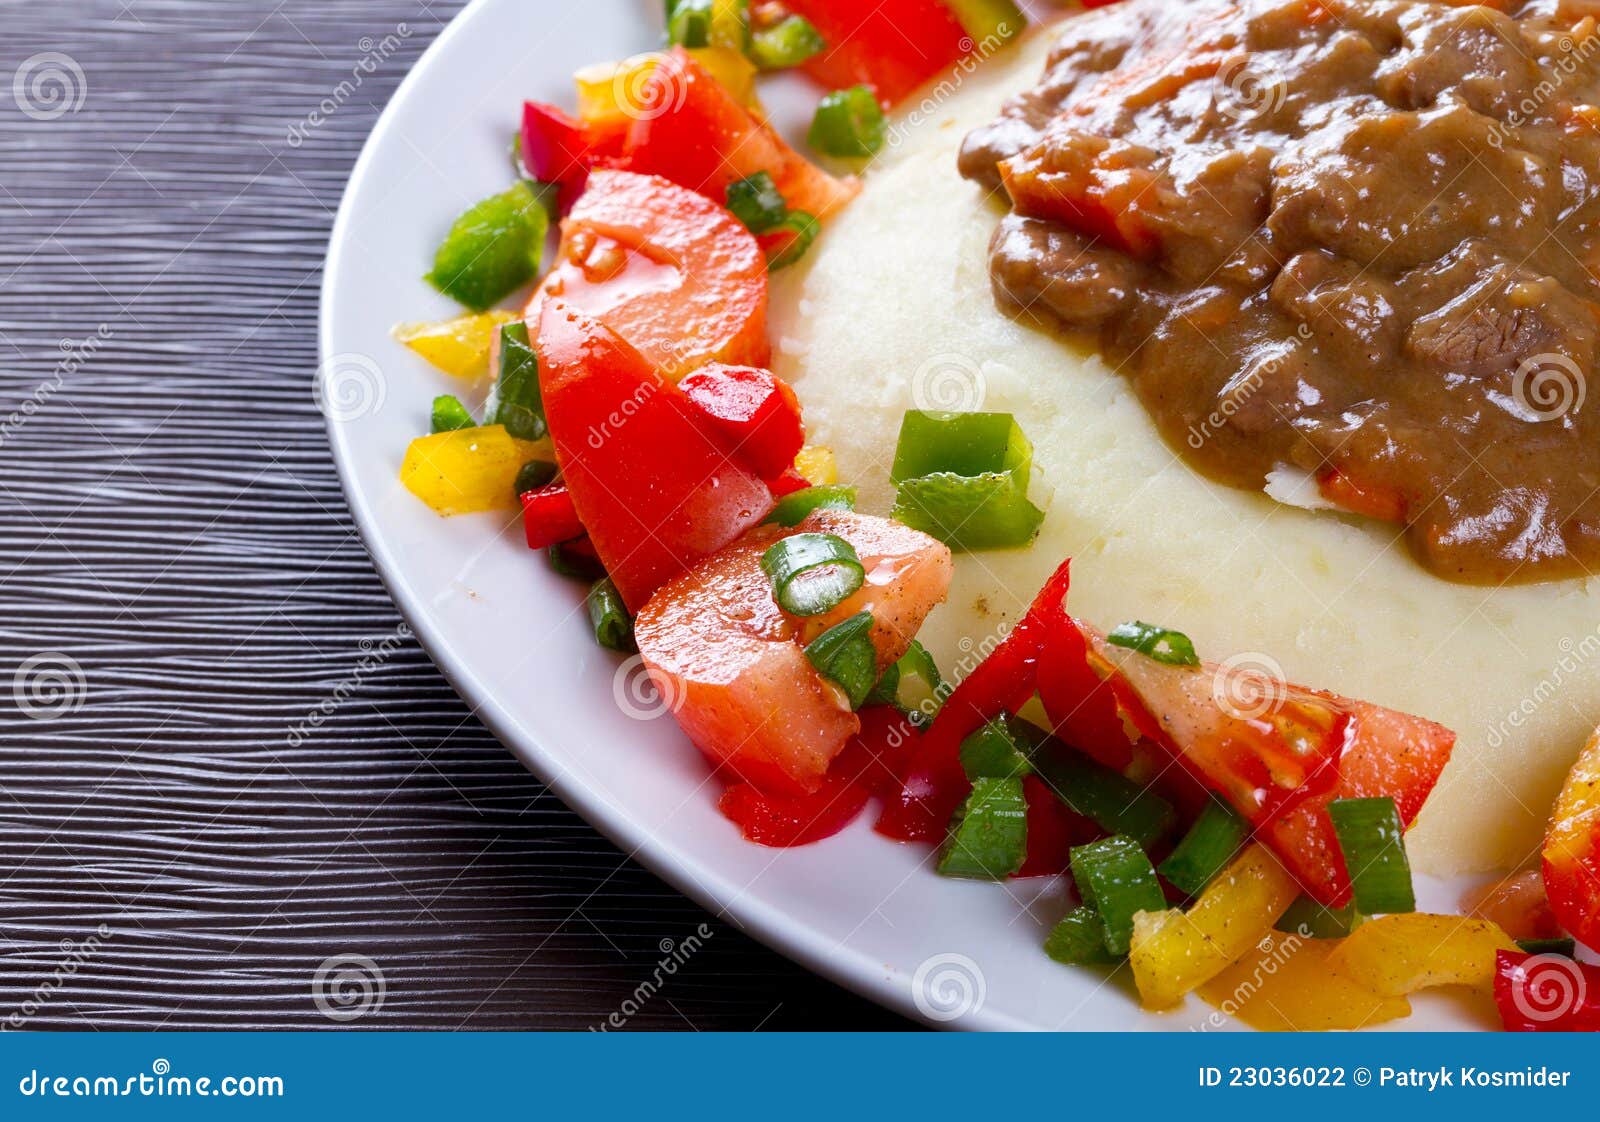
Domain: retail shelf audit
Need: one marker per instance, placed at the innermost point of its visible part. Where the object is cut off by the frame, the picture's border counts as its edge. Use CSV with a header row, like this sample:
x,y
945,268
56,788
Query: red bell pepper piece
x,y
549,518
1053,830
782,821
704,140
655,488
1546,993
555,150
893,46
933,783
786,483
754,410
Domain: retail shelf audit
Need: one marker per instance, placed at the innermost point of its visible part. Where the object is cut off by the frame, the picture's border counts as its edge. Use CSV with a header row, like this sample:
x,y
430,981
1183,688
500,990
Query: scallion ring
x,y
1160,643
812,573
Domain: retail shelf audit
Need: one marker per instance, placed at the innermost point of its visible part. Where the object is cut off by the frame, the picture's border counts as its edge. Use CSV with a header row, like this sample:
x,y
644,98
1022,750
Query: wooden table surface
x,y
180,584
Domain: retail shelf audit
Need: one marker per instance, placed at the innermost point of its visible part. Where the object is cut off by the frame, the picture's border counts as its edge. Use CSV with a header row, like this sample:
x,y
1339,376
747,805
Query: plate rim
x,y
774,928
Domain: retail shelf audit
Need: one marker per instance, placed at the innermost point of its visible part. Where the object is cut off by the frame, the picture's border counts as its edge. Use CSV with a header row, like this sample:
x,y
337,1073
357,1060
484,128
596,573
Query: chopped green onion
x,y
1566,948
989,834
756,202
1371,836
812,573
969,513
1311,919
803,229
844,655
570,563
1206,849
1159,643
912,685
793,507
514,399
959,443
1116,879
993,751
533,475
1079,939
613,627
849,123
789,42
492,249
689,23
449,414
1108,798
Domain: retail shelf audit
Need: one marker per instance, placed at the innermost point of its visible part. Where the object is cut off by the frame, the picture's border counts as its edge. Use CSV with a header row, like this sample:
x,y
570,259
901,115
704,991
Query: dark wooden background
x,y
180,583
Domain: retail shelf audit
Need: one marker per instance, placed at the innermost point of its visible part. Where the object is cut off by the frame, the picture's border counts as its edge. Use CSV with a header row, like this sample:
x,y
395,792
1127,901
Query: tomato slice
x,y
892,45
1572,849
699,136
731,665
677,277
654,488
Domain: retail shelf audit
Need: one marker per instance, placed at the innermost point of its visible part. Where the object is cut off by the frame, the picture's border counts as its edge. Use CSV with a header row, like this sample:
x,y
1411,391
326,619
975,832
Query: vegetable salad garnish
x,y
629,412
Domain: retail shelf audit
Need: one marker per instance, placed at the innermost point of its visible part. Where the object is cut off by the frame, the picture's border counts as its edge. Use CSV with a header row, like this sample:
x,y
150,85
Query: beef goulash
x,y
1352,238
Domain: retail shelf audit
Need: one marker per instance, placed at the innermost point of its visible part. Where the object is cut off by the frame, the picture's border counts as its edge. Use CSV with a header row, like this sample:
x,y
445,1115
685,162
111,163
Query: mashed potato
x,y
893,311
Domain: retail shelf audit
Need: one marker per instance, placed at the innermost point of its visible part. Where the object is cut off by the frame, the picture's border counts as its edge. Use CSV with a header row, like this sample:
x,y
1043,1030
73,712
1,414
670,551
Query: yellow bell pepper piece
x,y
457,346
1400,954
1174,951
816,465
611,95
469,470
730,25
1287,985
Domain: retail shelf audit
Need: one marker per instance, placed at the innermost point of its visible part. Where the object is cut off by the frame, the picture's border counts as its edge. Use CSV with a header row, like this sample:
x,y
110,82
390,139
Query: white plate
x,y
512,637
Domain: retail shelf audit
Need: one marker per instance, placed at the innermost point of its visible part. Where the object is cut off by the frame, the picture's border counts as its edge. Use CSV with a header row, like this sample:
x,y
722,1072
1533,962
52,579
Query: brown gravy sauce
x,y
1356,237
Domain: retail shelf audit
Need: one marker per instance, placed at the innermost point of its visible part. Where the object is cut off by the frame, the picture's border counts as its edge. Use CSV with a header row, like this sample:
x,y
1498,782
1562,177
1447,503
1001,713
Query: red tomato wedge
x,y
755,410
704,139
730,661
654,488
1280,753
893,46
1572,849
676,276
